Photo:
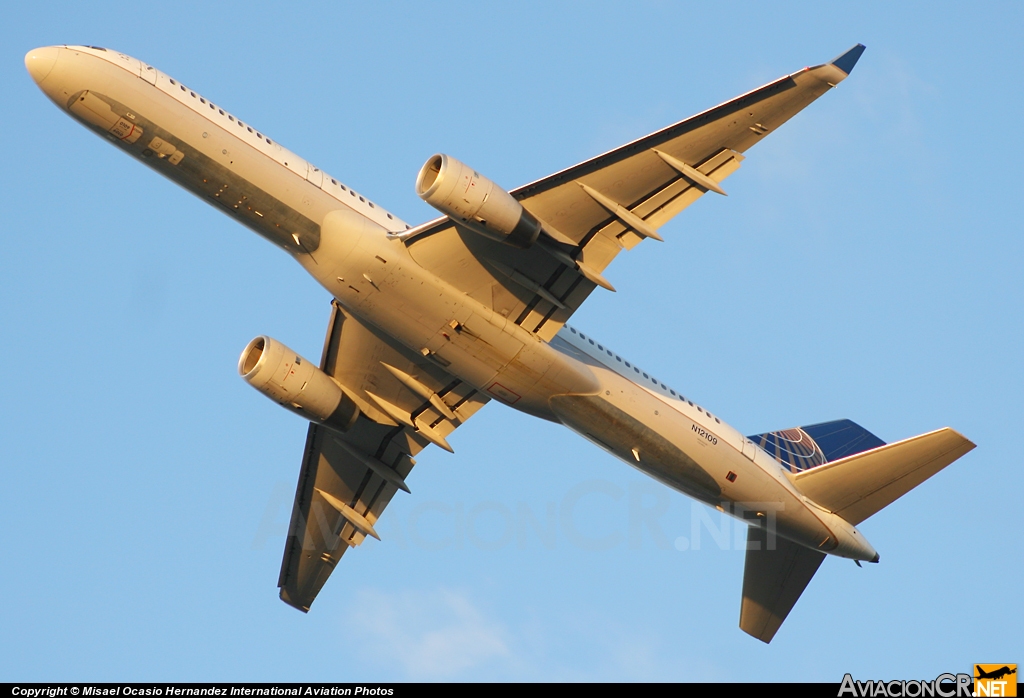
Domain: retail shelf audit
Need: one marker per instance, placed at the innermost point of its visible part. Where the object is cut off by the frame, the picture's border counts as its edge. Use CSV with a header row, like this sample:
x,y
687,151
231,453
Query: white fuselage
x,y
350,246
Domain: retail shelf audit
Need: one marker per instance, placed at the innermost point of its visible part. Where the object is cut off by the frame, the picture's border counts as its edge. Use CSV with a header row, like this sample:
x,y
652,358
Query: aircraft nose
x,y
40,61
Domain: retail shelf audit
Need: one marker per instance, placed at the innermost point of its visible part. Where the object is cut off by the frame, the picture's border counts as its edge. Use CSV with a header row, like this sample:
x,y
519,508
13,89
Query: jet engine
x,y
476,202
296,384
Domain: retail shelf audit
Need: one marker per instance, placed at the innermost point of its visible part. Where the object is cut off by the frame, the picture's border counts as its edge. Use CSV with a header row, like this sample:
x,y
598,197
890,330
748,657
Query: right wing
x,y
610,203
348,478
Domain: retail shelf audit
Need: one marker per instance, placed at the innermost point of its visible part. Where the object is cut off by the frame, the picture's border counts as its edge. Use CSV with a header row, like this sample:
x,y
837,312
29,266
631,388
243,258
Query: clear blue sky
x,y
867,264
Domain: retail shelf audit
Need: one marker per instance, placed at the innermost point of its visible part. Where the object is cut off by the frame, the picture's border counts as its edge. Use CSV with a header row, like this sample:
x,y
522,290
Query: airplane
x,y
431,322
995,673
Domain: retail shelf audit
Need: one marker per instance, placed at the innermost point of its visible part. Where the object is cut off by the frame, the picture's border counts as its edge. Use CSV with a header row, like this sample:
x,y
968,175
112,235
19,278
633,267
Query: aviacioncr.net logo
x,y
943,686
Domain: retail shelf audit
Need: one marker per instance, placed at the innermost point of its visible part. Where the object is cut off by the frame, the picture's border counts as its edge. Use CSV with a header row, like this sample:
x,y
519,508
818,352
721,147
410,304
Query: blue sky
x,y
866,264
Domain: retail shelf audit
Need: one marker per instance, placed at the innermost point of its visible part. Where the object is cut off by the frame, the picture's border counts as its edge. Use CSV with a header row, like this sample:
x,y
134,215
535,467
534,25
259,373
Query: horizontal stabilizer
x,y
861,485
775,574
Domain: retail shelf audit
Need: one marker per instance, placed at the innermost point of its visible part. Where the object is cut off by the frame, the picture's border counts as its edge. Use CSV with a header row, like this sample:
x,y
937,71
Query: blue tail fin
x,y
807,447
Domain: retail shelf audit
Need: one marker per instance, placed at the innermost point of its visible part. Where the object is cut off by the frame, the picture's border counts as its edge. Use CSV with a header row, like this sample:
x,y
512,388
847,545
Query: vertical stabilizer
x,y
773,580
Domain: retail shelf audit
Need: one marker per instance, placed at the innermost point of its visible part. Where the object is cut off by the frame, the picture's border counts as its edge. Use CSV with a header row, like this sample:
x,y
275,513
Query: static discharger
x,y
379,467
691,173
625,216
350,514
400,415
423,391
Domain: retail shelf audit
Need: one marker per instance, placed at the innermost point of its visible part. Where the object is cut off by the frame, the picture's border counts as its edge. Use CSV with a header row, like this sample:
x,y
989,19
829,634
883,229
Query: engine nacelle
x,y
295,383
476,202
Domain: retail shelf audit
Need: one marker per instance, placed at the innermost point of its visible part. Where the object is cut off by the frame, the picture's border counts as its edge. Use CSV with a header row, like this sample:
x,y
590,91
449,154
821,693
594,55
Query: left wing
x,y
348,478
596,209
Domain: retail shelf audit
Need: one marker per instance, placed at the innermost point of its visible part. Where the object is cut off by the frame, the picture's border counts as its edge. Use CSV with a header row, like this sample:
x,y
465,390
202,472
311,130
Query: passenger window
x,y
618,359
250,128
609,352
230,118
718,420
672,391
573,330
635,369
269,142
591,341
182,88
371,204
646,376
202,100
362,199
259,135
172,82
391,217
192,93
627,365
333,181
